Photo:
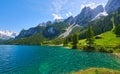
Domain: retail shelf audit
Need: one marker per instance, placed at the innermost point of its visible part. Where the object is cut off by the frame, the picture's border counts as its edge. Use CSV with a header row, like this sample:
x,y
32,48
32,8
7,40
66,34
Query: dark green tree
x,y
90,37
75,41
117,30
65,42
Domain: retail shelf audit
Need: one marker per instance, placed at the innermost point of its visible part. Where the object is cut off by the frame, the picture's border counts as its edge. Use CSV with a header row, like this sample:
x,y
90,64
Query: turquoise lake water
x,y
51,60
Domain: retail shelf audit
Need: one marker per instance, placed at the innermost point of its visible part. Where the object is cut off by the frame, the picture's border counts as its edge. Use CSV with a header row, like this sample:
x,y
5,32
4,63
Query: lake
x,y
51,60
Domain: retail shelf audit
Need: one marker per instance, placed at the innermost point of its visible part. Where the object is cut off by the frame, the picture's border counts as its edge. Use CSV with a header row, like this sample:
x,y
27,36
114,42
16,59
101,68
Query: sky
x,y
16,15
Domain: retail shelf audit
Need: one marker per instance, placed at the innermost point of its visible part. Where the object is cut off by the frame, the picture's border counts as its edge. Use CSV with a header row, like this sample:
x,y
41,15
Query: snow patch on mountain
x,y
7,34
100,15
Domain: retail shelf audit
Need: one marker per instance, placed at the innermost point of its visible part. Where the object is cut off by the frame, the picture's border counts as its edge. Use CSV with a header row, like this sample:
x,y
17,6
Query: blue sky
x,y
18,14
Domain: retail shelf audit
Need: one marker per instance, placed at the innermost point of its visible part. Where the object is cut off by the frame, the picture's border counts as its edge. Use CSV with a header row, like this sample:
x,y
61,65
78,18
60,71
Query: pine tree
x,y
65,42
90,37
117,30
75,41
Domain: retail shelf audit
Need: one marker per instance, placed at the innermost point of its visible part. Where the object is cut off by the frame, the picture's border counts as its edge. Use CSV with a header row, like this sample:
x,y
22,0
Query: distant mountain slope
x,y
68,31
5,35
112,5
30,32
49,31
102,14
36,39
87,14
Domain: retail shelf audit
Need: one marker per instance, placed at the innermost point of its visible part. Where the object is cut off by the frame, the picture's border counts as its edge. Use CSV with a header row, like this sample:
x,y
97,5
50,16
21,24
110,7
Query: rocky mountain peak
x,y
69,20
99,9
87,14
112,5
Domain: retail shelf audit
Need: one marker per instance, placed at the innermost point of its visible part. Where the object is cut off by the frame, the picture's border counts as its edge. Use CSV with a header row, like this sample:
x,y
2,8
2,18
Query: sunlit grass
x,y
108,39
97,71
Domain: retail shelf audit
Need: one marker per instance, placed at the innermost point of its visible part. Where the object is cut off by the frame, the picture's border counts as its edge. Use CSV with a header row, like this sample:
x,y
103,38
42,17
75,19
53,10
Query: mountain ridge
x,y
68,21
112,5
88,16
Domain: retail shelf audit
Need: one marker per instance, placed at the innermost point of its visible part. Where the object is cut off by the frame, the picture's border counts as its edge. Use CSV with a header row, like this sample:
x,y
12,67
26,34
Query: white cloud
x,y
69,14
57,7
56,16
91,5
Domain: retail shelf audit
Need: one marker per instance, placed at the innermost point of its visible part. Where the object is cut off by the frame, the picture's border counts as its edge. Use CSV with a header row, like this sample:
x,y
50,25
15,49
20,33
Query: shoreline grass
x,y
96,71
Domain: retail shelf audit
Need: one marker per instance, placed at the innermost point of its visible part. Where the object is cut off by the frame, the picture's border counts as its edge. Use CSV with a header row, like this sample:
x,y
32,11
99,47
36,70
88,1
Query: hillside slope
x,y
107,42
107,39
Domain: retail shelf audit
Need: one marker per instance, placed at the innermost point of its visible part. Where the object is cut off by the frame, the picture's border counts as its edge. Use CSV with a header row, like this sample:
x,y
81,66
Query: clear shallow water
x,y
51,60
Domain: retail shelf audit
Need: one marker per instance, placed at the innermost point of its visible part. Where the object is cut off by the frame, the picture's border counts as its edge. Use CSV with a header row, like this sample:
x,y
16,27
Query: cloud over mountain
x,y
56,16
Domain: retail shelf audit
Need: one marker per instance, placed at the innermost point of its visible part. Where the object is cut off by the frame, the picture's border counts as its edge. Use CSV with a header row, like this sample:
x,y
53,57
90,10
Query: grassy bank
x,y
106,42
96,71
107,39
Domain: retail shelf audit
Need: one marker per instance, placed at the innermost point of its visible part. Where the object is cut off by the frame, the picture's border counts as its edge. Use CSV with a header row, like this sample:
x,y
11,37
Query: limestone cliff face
x,y
87,14
112,5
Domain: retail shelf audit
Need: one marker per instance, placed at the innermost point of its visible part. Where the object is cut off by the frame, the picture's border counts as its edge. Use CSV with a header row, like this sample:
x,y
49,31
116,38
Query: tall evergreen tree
x,y
65,42
75,41
90,36
117,30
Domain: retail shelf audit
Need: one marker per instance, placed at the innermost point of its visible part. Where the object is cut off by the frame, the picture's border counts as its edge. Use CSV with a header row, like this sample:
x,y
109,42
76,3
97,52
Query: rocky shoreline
x,y
117,54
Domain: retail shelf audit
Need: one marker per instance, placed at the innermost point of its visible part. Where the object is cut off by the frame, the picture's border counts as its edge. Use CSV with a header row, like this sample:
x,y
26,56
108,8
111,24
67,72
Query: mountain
x,y
30,32
102,14
105,23
56,32
70,20
87,14
64,28
50,31
112,5
6,35
68,31
61,28
39,34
